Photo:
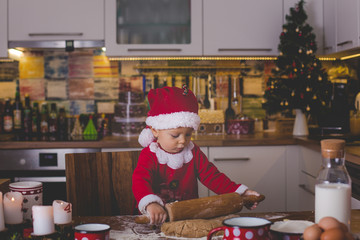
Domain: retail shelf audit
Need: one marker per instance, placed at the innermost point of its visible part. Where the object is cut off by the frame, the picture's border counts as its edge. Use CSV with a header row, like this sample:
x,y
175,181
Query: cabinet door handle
x,y
231,159
54,34
154,50
306,189
245,49
343,43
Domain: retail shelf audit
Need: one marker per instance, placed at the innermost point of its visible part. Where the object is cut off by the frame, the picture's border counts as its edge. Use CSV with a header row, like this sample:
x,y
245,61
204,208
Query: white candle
x,y
13,208
2,220
62,212
43,220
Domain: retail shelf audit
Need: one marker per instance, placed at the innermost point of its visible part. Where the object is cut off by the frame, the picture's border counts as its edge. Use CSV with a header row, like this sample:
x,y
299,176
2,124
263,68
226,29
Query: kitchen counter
x,y
124,227
257,139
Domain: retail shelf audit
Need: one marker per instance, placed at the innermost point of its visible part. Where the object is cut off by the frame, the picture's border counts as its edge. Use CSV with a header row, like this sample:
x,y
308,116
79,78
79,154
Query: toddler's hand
x,y
156,213
248,193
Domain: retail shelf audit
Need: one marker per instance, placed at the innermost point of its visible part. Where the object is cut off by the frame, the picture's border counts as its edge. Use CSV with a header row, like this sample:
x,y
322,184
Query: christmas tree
x,y
298,81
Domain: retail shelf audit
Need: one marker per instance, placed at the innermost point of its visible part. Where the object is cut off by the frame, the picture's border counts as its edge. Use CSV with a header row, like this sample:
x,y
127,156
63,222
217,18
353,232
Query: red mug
x,y
244,228
92,231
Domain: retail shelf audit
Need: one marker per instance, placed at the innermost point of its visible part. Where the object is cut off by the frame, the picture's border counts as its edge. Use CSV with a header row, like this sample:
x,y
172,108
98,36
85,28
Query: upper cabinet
x,y
329,26
314,11
153,27
347,24
242,27
3,28
46,20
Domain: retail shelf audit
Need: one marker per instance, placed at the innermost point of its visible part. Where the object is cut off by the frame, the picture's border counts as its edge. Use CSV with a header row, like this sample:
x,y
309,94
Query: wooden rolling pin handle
x,y
251,199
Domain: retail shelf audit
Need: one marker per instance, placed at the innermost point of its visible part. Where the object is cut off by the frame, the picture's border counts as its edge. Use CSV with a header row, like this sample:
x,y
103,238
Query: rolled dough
x,y
193,228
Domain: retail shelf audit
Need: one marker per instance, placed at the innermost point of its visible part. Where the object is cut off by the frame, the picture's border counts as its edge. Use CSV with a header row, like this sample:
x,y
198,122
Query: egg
x,y
312,232
333,234
329,222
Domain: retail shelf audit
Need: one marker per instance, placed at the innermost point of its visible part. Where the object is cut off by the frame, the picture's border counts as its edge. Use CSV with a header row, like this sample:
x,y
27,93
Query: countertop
x,y
124,227
258,139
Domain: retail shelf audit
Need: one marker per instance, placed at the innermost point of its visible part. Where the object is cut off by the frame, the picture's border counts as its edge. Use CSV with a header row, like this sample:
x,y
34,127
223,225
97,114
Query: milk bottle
x,y
333,184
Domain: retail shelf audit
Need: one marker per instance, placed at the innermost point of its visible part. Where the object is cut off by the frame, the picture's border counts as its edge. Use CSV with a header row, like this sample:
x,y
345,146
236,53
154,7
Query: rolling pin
x,y
206,207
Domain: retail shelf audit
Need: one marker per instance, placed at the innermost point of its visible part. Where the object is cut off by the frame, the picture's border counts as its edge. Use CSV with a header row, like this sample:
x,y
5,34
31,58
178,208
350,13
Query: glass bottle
x,y
7,117
18,112
35,121
44,122
333,184
76,133
27,118
53,124
62,124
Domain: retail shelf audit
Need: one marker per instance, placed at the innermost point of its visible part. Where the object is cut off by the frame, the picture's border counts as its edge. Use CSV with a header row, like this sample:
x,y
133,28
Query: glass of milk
x,y
333,184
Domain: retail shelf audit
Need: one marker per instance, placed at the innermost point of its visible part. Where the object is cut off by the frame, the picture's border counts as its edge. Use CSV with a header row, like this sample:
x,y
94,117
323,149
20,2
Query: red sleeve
x,y
142,177
210,176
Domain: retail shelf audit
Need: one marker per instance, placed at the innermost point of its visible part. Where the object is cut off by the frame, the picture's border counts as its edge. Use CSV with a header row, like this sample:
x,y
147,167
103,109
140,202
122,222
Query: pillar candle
x,y
62,212
13,208
2,220
43,220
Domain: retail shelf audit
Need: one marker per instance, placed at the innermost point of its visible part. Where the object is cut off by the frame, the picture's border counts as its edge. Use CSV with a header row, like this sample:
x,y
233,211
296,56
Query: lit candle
x,y
43,220
2,221
13,208
62,212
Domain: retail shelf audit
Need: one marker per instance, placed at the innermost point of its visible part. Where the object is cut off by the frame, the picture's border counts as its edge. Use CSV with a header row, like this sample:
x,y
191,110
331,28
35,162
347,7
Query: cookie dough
x,y
193,228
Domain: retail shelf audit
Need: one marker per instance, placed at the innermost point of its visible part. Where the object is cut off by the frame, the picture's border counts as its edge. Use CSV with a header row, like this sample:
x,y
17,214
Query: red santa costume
x,y
164,177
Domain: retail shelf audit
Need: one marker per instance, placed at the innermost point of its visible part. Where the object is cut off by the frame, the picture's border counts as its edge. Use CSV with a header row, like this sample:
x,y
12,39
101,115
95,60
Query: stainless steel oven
x,y
43,165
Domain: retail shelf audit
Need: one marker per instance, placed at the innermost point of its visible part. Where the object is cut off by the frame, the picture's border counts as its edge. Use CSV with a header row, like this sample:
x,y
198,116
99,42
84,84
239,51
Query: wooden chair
x,y
99,184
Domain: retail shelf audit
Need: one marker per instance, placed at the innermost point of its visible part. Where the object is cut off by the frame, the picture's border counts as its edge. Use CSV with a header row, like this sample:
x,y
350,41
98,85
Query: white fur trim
x,y
174,120
241,189
146,137
147,200
174,161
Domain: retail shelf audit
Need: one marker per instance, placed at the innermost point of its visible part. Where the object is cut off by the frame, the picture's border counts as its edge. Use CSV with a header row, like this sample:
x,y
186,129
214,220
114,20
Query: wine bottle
x,y
44,122
7,117
18,114
27,118
53,124
62,125
35,121
229,112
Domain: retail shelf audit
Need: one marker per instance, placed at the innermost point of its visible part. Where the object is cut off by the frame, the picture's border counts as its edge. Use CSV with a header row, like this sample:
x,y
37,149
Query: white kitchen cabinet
x,y
260,168
314,11
329,26
242,27
153,28
347,24
46,20
302,169
3,28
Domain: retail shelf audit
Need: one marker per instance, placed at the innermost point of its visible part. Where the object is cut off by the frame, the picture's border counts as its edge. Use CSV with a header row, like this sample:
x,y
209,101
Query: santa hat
x,y
170,107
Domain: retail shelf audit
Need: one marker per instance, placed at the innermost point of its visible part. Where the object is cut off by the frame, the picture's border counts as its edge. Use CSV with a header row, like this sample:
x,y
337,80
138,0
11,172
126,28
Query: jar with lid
x,y
333,183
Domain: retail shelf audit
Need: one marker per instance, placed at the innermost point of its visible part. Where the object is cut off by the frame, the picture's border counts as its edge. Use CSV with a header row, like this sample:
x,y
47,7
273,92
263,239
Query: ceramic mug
x,y
92,231
244,228
32,193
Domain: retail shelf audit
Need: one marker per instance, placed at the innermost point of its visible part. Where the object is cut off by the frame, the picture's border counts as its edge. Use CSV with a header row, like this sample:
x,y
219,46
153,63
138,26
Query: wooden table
x,y
124,227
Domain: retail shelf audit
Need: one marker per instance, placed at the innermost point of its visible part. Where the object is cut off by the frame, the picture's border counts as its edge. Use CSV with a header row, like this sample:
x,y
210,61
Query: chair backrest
x,y
99,184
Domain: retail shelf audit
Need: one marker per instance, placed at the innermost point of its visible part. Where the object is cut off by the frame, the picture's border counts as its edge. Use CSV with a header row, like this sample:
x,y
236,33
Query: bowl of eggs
x,y
289,229
328,228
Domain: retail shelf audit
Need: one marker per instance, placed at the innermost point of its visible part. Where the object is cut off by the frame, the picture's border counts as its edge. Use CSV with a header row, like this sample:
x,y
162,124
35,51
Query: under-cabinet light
x,y
15,54
350,56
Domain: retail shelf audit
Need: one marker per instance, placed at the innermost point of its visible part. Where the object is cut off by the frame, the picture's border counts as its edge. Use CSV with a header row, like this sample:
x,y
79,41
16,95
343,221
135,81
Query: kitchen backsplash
x,y
87,82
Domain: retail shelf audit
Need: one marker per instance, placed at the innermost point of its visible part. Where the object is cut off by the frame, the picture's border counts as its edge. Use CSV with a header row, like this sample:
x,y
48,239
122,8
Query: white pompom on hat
x,y
170,107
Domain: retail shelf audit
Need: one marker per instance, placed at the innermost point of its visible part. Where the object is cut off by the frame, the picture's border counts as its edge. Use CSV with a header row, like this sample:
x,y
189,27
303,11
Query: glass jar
x,y
333,183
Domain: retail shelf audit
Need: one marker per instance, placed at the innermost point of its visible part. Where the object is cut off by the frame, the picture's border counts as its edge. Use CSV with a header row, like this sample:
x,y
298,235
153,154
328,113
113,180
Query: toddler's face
x,y
173,140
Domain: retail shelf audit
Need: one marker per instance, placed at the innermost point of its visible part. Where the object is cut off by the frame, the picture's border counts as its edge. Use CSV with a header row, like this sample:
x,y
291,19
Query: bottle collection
x,y
40,123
